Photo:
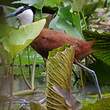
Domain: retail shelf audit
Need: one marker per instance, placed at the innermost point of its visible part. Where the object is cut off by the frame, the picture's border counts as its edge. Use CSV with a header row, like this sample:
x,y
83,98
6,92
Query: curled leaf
x,y
59,69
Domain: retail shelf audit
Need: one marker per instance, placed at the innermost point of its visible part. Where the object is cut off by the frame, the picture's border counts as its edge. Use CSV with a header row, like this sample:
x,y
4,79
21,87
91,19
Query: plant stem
x,y
26,81
28,54
24,92
84,19
33,73
11,84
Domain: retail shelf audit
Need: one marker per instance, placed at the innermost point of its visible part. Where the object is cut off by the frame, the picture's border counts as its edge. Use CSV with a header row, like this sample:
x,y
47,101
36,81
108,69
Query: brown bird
x,y
49,39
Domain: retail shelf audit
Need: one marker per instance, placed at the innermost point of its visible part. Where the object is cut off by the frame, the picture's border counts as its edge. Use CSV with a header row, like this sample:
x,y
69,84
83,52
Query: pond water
x,y
8,102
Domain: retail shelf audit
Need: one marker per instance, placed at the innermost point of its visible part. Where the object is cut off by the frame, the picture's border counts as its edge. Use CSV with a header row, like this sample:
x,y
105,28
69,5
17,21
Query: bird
x,y
49,39
25,14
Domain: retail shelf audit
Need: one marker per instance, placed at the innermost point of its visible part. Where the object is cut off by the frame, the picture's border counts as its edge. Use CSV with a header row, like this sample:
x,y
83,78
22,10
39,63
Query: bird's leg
x,y
45,62
93,74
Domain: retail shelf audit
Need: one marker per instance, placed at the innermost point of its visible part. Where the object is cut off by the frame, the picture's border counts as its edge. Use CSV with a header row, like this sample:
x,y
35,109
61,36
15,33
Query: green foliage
x,y
53,3
40,3
27,59
102,71
16,40
98,29
24,57
101,51
78,4
59,65
103,104
89,8
101,46
67,21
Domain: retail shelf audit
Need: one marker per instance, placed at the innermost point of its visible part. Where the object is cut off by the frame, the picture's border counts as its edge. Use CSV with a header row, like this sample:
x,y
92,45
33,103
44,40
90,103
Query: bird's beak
x,y
15,13
11,15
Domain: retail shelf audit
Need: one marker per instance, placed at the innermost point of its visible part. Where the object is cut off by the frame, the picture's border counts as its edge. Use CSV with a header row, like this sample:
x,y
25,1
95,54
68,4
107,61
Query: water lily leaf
x,y
59,69
16,40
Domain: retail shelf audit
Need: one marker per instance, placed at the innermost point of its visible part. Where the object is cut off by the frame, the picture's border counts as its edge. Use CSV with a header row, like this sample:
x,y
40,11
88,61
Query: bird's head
x,y
24,14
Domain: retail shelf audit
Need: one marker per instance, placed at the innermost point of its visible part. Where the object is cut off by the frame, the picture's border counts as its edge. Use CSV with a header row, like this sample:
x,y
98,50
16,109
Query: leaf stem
x,y
33,73
27,83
